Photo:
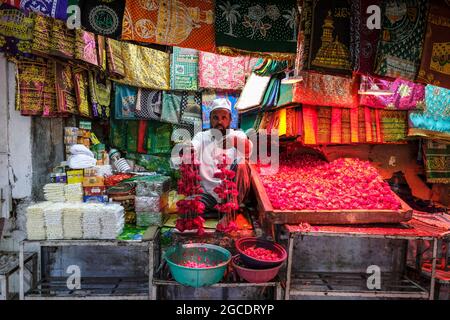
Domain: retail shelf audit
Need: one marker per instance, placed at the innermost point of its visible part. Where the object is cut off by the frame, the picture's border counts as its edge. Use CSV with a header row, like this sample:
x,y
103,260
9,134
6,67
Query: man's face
x,y
220,120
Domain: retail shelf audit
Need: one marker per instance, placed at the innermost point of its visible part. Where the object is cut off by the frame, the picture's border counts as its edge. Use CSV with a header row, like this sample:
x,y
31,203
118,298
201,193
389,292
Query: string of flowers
x,y
190,208
227,192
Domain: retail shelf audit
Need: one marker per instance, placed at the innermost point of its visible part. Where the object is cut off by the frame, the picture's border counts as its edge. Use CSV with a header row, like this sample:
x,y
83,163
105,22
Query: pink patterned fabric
x,y
221,72
406,95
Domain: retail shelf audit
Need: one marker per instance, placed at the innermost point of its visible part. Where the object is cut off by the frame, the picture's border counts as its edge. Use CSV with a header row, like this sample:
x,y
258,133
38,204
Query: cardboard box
x,y
93,181
74,176
95,191
95,199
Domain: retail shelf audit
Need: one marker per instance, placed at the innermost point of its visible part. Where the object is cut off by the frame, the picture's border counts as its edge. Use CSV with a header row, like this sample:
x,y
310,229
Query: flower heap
x,y
227,192
190,208
309,183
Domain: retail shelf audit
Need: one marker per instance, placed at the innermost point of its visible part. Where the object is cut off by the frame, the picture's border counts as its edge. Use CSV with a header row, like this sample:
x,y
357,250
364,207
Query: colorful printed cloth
x,y
326,90
364,41
81,83
191,108
285,95
86,47
31,86
403,30
207,99
65,89
437,161
149,104
101,49
435,66
181,23
116,68
145,67
171,108
41,34
221,72
272,93
248,26
102,16
328,43
62,40
394,125
406,95
253,93
100,92
125,102
16,31
304,36
184,69
50,8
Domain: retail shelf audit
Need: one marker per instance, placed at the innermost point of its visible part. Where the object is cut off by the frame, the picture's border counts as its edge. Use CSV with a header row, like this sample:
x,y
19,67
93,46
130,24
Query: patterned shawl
x,y
244,26
41,34
102,17
394,125
437,161
65,89
116,68
125,102
86,47
435,66
62,40
182,23
406,95
171,107
326,90
49,8
364,41
31,85
285,95
100,92
149,104
145,67
207,99
191,108
16,31
81,83
184,69
403,30
221,72
328,43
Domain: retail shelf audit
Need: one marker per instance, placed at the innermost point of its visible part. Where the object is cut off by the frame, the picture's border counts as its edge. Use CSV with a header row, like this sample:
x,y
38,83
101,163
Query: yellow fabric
x,y
282,127
145,67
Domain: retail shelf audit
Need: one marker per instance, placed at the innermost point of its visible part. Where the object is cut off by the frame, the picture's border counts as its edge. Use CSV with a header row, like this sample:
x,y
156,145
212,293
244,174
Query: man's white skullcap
x,y
221,103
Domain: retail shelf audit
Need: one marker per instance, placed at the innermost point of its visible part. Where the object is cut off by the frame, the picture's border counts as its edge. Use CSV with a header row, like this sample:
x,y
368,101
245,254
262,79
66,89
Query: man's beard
x,y
223,130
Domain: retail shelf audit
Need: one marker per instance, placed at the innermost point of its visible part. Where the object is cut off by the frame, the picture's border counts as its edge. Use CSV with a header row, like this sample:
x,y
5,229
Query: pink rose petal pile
x,y
309,183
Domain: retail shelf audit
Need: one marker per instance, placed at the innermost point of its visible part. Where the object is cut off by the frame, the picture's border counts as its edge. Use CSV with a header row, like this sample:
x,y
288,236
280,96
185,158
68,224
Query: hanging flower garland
x,y
191,207
227,192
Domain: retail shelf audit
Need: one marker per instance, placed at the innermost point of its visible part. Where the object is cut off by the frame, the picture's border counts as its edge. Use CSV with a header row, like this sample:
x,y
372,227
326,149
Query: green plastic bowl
x,y
202,253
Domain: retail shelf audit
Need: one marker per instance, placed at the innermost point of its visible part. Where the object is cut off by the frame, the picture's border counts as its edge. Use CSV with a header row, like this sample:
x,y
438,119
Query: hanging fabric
x,y
100,92
65,89
437,161
400,46
31,77
221,72
394,125
253,93
86,47
49,8
328,42
125,101
326,90
181,23
149,104
435,65
208,98
101,52
268,28
118,134
184,69
171,108
304,36
142,134
102,17
41,34
132,136
116,68
285,95
272,93
364,40
62,40
145,67
191,108
81,83
16,31
406,95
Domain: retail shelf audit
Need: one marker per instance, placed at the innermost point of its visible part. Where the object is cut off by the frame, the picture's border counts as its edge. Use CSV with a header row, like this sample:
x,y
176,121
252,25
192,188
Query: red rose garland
x,y
191,207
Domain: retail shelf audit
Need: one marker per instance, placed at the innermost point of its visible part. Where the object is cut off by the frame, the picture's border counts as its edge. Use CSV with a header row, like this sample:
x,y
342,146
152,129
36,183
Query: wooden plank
x,y
318,217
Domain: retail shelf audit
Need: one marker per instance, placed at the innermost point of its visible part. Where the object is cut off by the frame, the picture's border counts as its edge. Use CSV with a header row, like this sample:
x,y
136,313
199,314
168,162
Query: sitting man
x,y
211,146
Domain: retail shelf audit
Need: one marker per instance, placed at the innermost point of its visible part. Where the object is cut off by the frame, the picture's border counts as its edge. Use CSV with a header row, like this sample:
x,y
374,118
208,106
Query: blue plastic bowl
x,y
202,253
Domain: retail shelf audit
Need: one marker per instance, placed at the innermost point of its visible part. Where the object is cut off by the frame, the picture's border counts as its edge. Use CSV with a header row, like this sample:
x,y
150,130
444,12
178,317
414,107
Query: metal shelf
x,y
354,285
92,288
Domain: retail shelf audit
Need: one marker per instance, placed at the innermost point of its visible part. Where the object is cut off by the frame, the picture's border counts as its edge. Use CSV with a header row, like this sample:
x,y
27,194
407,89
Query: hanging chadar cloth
x,y
434,122
100,93
42,27
116,68
435,66
181,23
326,90
31,77
145,67
406,95
102,16
208,98
62,40
191,108
402,35
81,83
65,89
16,31
86,47
49,8
149,104
125,99
171,107
261,28
184,69
329,41
363,40
437,161
253,93
221,72
394,125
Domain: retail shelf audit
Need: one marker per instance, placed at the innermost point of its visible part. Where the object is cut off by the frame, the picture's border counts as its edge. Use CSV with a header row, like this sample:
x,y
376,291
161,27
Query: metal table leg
x,y
21,271
4,288
289,266
433,268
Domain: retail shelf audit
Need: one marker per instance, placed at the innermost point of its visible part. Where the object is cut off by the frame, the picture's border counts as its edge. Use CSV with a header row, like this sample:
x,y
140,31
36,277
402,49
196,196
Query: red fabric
x,y
142,132
309,124
336,125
